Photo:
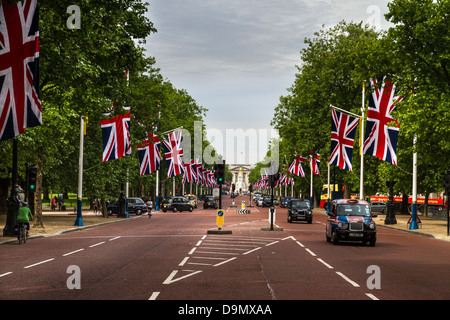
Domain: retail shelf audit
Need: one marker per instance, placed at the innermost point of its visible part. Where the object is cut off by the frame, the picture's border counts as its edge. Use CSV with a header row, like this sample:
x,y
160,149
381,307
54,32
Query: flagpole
x,y
311,201
328,192
413,225
157,191
361,151
79,219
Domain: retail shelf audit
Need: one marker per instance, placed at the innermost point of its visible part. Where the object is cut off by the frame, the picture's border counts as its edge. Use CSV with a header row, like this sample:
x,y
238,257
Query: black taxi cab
x,y
350,220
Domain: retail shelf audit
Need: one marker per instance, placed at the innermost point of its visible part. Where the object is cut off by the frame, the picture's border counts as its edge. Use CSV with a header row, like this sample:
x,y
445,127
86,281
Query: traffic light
x,y
219,172
250,188
32,173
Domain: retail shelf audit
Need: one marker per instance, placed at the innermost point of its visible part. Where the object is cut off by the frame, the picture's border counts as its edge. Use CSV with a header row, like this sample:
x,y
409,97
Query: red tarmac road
x,y
172,257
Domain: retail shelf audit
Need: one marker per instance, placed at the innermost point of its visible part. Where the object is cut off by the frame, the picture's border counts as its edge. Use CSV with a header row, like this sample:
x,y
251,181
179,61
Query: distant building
x,y
240,176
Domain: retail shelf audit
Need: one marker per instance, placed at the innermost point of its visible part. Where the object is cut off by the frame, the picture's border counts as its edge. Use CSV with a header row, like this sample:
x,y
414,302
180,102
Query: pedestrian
x,y
149,206
54,203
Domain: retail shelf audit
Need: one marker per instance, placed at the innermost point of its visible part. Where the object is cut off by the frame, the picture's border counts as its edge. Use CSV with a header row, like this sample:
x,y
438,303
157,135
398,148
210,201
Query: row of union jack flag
x,y
116,144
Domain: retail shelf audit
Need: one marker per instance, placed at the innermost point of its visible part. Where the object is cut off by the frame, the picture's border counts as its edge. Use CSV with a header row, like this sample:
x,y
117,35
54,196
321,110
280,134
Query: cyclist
x,y
24,215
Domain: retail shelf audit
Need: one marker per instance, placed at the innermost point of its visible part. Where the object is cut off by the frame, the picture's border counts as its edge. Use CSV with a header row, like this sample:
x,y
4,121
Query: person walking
x,y
149,206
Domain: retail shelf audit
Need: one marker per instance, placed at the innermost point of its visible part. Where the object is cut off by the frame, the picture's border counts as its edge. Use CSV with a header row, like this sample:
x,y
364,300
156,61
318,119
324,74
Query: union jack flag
x,y
380,138
149,156
343,129
314,162
116,136
189,172
20,104
296,166
174,154
198,171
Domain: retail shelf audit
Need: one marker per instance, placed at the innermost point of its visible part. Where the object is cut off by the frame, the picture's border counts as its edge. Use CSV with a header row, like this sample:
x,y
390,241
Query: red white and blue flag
x,y
20,104
198,171
314,162
381,138
149,156
343,130
296,166
174,154
116,136
189,174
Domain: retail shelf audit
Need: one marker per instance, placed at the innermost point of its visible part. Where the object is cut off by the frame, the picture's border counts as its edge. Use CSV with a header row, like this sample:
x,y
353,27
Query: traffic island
x,y
272,229
219,231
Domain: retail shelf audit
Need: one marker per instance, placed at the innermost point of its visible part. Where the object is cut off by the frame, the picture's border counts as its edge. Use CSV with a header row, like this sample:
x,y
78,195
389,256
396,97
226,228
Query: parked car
x,y
192,198
166,204
181,204
209,202
351,220
378,207
135,205
299,210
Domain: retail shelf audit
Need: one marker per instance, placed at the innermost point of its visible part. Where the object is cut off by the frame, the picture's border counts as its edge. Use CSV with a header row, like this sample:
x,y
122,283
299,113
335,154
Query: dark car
x,y
351,220
135,205
209,202
299,210
378,207
166,204
181,204
285,202
267,201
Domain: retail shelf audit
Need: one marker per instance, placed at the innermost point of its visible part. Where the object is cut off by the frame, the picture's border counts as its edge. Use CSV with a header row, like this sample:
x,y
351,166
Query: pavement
x,y
57,222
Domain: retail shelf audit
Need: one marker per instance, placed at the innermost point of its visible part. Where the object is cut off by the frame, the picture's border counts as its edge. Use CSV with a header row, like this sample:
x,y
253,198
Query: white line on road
x,y
223,262
300,244
35,264
154,295
325,264
72,252
97,244
269,244
192,251
251,251
5,274
353,283
310,252
371,296
183,262
115,238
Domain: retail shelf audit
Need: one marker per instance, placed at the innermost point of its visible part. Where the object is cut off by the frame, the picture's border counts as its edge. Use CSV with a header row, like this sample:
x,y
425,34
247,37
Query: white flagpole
x,y
413,225
79,219
311,201
361,180
328,192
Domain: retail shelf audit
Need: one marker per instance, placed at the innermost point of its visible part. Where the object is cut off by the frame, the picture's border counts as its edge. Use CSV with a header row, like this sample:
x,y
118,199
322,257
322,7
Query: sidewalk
x,y
57,222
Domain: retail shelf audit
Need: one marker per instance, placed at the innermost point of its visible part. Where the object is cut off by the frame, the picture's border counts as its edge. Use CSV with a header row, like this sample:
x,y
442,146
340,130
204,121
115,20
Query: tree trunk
x,y
37,214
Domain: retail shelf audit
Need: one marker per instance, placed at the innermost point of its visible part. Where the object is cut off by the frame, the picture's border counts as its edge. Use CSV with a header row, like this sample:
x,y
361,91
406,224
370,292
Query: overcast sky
x,y
237,57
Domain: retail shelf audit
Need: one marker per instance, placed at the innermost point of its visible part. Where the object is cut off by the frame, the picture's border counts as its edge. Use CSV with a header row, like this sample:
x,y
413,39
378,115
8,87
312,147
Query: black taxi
x,y
351,220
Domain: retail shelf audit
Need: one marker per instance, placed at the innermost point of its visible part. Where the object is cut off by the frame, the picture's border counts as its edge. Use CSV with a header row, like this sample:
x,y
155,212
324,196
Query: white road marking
x,y
325,264
353,283
97,244
154,295
35,264
72,252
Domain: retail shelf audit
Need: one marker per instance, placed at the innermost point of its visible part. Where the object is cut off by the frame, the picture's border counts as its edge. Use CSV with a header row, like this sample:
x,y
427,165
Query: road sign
x,y
220,217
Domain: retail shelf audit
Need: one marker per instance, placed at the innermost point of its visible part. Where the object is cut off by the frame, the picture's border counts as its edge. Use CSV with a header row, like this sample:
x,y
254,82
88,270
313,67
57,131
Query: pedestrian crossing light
x,y
219,172
32,173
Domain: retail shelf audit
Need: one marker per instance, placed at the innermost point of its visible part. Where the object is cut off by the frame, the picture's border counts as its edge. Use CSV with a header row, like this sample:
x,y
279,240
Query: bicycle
x,y
22,234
